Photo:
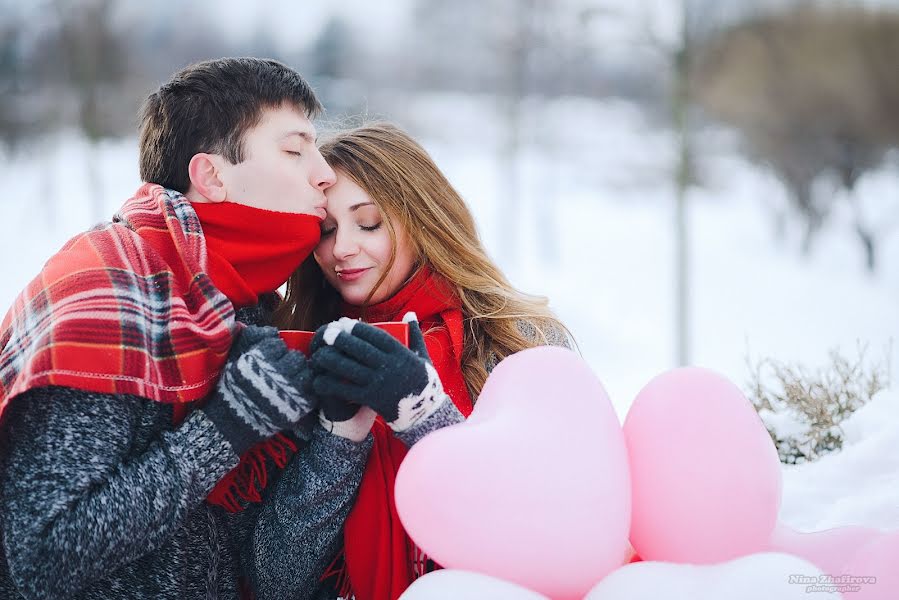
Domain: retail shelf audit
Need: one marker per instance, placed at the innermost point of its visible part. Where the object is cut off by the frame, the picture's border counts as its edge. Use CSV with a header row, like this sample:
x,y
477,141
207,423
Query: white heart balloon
x,y
763,576
452,584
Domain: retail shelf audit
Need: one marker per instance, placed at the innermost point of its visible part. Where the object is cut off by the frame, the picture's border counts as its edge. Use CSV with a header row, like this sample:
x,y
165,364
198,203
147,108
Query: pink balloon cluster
x,y
543,488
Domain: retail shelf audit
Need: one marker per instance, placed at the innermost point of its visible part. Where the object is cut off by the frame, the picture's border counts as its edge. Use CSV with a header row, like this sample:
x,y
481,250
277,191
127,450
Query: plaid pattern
x,y
125,308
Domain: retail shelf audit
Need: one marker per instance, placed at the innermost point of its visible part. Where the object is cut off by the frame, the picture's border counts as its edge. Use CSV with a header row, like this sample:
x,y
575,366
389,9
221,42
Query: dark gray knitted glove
x,y
364,365
263,389
336,415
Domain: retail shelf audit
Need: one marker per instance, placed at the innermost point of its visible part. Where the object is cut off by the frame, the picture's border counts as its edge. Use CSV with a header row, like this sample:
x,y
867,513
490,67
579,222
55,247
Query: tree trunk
x,y
800,189
509,204
680,107
95,183
812,225
509,200
869,243
780,227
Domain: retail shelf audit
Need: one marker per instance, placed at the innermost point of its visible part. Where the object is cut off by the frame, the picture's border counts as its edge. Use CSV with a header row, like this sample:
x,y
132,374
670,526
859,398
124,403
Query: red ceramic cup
x,y
301,340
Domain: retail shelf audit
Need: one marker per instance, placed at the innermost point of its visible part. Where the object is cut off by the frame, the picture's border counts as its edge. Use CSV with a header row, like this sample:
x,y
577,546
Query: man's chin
x,y
290,209
318,213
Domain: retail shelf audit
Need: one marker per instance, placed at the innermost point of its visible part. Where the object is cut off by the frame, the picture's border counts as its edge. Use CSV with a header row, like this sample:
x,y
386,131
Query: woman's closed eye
x,y
327,230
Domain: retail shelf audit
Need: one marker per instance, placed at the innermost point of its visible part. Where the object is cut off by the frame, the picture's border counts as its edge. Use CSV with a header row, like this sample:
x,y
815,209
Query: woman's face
x,y
355,246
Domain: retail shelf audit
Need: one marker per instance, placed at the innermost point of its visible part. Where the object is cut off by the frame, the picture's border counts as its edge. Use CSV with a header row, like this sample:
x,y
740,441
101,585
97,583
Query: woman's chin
x,y
353,297
356,294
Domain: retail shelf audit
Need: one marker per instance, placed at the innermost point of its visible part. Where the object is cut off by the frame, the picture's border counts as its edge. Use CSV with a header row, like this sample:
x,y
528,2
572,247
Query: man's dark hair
x,y
208,107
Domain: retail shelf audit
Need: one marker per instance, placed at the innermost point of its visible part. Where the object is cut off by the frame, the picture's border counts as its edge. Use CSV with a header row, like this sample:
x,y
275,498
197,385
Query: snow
x,y
594,233
856,486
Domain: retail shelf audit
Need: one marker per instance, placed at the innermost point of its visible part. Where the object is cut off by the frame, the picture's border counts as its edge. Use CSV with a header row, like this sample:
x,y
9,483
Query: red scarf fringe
x,y
247,480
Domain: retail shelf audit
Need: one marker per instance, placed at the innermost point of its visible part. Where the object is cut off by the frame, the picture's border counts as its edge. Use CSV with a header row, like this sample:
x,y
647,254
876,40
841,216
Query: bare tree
x,y
698,19
13,124
83,61
814,93
680,105
521,54
518,44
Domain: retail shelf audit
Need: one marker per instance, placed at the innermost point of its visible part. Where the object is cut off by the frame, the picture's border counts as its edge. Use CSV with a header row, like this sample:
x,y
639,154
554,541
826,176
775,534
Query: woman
x,y
397,239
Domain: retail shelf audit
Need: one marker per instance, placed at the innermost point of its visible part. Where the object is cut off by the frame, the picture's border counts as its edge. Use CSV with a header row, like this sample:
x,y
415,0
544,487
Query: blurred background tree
x,y
813,93
85,59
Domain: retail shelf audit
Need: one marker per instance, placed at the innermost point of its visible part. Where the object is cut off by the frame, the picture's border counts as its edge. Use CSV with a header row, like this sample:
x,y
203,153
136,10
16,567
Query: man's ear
x,y
205,179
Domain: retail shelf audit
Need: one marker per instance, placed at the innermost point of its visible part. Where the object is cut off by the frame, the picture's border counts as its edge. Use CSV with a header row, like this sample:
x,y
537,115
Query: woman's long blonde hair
x,y
412,193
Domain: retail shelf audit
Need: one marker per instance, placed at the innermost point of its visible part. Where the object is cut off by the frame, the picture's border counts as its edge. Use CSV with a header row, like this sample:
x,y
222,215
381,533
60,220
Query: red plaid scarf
x,y
128,308
379,560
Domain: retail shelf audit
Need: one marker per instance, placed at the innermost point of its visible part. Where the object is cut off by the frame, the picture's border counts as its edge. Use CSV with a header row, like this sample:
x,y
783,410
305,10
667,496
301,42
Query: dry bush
x,y
802,409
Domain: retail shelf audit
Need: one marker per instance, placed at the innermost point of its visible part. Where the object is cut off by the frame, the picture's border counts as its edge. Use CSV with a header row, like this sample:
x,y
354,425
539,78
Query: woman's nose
x,y
345,245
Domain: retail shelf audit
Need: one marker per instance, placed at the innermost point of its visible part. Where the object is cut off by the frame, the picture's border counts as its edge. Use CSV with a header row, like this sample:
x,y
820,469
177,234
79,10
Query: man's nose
x,y
325,176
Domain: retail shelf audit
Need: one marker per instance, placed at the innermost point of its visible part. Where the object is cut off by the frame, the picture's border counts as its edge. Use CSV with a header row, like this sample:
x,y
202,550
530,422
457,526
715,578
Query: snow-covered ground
x,y
595,236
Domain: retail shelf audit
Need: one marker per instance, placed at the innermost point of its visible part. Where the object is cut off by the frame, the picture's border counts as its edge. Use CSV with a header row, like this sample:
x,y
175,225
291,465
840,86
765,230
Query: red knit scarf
x,y
251,252
129,308
380,561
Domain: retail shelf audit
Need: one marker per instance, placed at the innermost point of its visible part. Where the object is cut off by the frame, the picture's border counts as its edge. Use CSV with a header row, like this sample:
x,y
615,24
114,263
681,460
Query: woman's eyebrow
x,y
360,205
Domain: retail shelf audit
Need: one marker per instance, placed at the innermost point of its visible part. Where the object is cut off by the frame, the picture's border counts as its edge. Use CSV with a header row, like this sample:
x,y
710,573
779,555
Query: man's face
x,y
282,168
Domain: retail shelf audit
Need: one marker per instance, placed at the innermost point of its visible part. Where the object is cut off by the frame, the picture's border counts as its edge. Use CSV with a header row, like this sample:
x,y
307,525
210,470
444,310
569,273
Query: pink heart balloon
x,y
533,488
829,550
874,570
706,479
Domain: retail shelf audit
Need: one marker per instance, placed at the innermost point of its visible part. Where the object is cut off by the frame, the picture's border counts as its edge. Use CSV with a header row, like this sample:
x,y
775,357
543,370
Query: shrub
x,y
802,409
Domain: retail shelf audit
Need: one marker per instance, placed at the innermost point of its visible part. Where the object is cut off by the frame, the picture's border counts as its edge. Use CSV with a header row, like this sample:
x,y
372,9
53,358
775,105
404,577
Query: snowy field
x,y
610,203
594,235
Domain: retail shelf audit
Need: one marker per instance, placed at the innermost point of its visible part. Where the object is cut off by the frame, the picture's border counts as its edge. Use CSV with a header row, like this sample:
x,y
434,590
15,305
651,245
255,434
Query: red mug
x,y
301,340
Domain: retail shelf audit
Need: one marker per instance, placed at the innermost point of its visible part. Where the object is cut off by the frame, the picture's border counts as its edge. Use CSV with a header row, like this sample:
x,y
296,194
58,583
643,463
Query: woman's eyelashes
x,y
328,230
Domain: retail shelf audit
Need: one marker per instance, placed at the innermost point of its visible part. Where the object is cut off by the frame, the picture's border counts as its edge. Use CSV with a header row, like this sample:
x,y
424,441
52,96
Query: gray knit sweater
x,y
101,497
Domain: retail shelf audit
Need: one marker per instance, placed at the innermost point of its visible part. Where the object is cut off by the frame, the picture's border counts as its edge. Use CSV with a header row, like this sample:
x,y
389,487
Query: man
x,y
139,416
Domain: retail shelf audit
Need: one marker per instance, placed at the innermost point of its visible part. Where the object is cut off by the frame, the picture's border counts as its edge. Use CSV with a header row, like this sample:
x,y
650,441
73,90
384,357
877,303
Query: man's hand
x,y
264,389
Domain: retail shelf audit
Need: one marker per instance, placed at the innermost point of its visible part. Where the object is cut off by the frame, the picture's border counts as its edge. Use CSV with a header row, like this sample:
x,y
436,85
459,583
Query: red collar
x,y
427,294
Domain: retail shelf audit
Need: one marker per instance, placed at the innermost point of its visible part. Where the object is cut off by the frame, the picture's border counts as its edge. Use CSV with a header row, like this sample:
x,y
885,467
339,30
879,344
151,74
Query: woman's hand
x,y
362,365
